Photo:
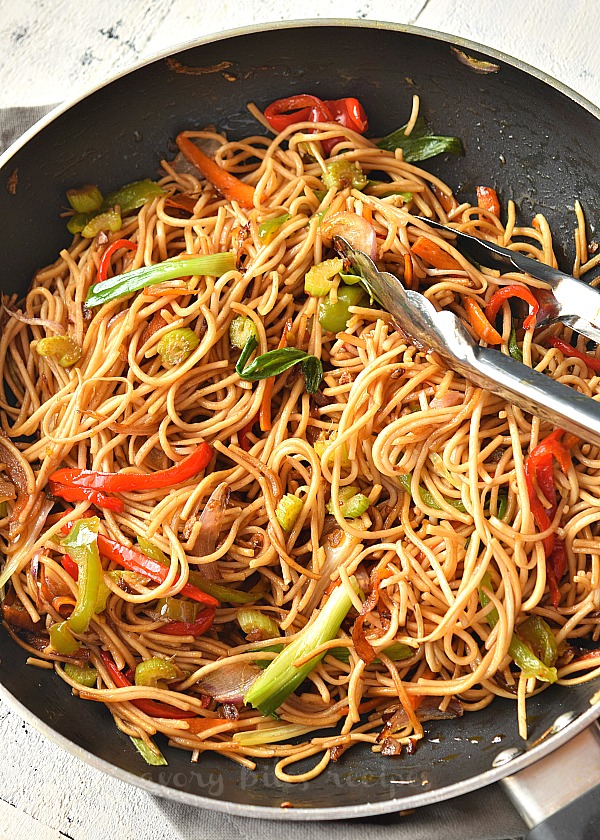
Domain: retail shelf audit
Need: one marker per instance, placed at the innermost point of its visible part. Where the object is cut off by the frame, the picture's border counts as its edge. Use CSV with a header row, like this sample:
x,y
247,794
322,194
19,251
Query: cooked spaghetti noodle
x,y
445,563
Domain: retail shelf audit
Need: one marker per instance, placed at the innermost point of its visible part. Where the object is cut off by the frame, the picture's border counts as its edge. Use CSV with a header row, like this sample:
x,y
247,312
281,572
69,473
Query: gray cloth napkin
x,y
483,815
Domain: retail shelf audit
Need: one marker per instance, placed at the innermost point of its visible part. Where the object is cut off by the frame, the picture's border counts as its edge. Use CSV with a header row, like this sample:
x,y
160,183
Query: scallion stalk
x,y
281,678
122,285
157,759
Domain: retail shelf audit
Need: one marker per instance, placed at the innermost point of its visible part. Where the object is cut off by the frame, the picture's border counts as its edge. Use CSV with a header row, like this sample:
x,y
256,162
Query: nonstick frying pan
x,y
526,135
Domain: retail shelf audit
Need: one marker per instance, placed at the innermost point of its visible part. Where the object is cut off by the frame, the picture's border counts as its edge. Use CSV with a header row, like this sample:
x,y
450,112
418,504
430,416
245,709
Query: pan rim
x,y
366,809
447,38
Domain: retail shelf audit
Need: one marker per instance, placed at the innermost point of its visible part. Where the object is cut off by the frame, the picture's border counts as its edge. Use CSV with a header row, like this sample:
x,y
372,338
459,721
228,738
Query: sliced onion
x,y
17,467
359,233
7,491
36,322
211,522
428,709
230,683
362,646
449,399
338,545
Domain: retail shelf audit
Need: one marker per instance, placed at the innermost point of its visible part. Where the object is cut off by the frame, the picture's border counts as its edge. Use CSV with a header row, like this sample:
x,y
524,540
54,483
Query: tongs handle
x,y
534,392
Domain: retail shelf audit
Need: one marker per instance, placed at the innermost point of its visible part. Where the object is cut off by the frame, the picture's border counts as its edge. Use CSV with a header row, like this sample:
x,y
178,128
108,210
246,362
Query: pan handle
x,y
558,797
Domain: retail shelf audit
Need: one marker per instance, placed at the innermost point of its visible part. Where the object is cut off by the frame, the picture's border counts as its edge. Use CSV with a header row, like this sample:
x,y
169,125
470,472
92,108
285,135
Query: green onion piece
x,y
134,195
271,734
63,346
288,510
240,330
281,678
396,651
110,220
334,317
177,345
82,547
178,609
420,144
152,670
320,194
502,504
427,497
132,281
513,347
217,590
344,173
157,759
318,281
267,230
278,361
86,199
521,653
82,674
256,622
356,506
538,634
62,640
264,663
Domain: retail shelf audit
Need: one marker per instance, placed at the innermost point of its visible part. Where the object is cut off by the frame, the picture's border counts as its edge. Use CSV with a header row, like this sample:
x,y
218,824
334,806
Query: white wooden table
x,y
52,51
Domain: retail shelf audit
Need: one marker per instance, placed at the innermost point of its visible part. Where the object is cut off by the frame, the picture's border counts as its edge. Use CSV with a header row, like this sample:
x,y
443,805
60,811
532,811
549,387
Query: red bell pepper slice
x,y
70,567
185,628
506,292
243,435
538,467
300,108
82,494
135,561
149,707
108,253
349,113
306,108
487,199
568,350
124,482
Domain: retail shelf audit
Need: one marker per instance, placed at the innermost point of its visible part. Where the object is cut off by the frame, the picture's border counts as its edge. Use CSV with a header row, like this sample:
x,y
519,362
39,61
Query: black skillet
x,y
526,135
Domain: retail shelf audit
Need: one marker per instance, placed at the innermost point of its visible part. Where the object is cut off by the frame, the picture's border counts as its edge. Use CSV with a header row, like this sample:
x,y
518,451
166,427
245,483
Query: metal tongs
x,y
571,301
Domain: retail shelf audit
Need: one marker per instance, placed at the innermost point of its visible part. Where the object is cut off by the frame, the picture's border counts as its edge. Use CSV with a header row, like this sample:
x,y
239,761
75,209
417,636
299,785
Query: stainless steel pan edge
x,y
89,744
509,769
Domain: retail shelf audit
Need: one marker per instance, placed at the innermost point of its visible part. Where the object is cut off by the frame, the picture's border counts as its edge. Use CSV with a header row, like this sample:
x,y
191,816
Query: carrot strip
x,y
408,270
434,255
367,213
487,199
264,414
228,185
448,202
480,323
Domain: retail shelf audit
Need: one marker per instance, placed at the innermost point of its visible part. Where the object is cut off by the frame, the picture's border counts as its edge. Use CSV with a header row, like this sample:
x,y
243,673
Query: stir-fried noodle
x,y
411,497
